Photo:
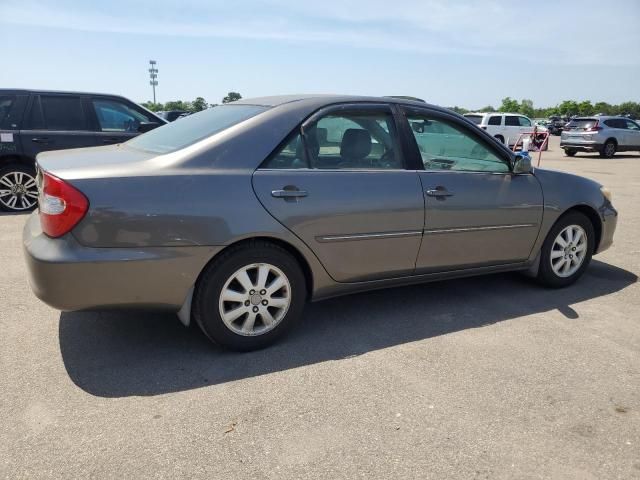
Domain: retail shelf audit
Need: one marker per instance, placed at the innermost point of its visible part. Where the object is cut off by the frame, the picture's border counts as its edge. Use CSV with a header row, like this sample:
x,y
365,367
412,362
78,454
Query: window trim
x,y
476,133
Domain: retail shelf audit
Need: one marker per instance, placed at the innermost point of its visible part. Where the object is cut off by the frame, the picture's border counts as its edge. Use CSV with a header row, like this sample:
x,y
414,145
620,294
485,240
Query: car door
x,y
511,129
632,134
477,213
55,121
340,184
117,121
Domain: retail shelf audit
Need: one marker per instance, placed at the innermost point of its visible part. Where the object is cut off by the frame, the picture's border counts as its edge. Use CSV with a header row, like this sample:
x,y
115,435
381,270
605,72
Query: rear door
x,y
55,121
116,120
477,212
340,184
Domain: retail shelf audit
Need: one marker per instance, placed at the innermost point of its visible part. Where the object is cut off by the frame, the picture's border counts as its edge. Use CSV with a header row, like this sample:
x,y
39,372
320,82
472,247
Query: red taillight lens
x,y
61,205
595,127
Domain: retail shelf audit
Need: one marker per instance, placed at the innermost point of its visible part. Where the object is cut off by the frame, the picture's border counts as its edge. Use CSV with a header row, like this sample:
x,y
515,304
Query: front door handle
x,y
439,192
288,193
43,140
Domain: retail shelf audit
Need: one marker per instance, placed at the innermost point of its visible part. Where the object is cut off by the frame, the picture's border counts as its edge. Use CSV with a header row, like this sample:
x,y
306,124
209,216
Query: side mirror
x,y
522,163
146,126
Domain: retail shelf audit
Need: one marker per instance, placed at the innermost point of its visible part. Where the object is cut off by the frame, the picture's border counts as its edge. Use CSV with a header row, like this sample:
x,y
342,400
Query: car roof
x,y
37,91
328,99
496,113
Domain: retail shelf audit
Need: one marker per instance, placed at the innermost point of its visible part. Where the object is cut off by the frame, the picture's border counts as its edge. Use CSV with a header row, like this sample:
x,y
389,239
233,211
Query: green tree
x,y
487,109
154,107
603,107
459,110
526,108
199,104
568,107
629,107
178,105
231,97
585,108
509,105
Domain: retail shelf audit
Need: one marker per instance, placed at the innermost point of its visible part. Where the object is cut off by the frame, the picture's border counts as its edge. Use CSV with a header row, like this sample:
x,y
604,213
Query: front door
x,y
55,122
118,121
342,188
477,212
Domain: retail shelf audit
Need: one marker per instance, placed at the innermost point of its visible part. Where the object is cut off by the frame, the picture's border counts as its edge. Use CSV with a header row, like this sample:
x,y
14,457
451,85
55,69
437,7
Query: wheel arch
x,y
611,139
16,159
593,216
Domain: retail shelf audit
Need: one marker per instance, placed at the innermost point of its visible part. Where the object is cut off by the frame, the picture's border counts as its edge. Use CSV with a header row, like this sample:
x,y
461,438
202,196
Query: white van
x,y
506,127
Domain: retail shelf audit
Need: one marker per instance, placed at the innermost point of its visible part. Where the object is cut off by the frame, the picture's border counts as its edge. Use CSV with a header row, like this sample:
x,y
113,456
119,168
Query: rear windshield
x,y
196,127
477,119
581,123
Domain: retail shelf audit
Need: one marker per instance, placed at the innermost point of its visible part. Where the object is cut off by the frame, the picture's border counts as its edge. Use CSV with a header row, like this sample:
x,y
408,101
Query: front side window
x,y
114,116
444,145
62,113
524,121
632,125
511,121
189,130
495,120
365,139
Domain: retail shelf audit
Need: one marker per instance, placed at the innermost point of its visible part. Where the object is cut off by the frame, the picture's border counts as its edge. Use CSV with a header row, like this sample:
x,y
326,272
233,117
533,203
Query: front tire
x,y
566,251
250,296
570,152
18,189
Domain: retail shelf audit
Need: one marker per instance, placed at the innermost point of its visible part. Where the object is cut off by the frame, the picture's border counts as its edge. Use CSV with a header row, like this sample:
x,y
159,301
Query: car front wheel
x,y
566,251
250,296
18,189
570,152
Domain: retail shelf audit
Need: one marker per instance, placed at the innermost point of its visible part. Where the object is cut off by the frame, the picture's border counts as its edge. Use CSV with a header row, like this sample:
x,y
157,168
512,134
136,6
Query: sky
x,y
451,53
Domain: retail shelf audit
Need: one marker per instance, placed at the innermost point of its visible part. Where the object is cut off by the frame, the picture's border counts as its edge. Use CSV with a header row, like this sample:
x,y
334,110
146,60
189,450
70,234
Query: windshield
x,y
583,123
194,128
477,119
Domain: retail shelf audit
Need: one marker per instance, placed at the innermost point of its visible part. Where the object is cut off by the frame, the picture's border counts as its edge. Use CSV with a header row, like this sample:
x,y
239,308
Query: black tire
x,y
500,138
570,152
8,172
546,274
206,301
608,149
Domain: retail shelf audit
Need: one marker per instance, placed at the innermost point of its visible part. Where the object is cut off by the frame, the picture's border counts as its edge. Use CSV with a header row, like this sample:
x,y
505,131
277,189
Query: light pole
x,y
153,75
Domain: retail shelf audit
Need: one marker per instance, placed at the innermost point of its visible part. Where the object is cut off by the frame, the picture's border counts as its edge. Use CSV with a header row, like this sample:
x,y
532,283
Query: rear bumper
x,y
609,216
585,146
69,276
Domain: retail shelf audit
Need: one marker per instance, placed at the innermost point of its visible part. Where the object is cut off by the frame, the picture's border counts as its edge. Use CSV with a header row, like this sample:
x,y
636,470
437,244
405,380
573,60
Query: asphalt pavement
x,y
483,378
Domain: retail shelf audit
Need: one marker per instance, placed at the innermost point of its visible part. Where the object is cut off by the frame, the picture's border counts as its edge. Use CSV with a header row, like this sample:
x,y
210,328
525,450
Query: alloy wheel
x,y
568,251
18,191
255,299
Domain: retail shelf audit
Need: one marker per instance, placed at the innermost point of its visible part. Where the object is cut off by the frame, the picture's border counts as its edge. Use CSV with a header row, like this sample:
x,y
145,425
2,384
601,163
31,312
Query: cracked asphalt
x,y
488,378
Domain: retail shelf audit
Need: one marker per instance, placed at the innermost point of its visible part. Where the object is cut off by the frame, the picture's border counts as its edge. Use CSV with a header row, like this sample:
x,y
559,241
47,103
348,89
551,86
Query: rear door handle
x,y
288,193
43,140
439,192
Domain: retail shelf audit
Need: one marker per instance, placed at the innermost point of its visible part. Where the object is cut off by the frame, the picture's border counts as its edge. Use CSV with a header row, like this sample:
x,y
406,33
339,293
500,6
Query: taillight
x,y
595,127
61,205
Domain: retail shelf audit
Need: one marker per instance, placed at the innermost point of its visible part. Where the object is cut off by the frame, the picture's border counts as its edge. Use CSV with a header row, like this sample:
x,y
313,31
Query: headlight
x,y
606,193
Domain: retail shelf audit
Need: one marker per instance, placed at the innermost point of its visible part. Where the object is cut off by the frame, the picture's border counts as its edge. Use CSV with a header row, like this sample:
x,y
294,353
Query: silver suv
x,y
605,135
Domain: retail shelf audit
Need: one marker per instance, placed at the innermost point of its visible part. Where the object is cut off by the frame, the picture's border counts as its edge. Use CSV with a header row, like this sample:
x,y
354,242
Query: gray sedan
x,y
236,216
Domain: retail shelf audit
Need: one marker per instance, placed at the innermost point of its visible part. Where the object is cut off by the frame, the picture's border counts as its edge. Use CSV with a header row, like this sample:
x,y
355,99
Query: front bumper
x,y
69,276
609,216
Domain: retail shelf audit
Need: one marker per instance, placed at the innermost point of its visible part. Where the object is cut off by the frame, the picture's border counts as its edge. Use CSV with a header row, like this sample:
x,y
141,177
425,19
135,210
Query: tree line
x,y
565,108
194,106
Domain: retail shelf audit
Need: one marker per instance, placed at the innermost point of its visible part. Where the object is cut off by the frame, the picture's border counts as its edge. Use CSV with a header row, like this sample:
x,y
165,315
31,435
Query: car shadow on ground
x,y
116,354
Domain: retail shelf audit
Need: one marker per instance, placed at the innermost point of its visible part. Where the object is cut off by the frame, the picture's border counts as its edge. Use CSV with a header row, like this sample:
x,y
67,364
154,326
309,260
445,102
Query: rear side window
x,y
511,121
59,113
495,120
477,119
6,104
196,127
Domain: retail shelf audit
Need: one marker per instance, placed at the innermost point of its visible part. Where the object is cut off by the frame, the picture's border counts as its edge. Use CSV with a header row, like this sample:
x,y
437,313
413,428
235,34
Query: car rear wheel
x,y
250,296
609,149
570,152
567,250
500,138
18,189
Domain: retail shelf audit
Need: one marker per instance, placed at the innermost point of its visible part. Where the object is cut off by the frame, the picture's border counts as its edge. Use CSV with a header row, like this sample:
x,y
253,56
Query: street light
x,y
153,75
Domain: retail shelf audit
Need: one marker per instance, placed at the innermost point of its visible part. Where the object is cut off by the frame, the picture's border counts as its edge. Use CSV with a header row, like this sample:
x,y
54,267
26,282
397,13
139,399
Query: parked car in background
x,y
603,134
505,127
247,210
555,125
33,121
172,115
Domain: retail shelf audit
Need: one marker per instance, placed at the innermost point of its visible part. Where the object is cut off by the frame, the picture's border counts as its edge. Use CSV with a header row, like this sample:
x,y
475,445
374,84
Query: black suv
x,y
35,121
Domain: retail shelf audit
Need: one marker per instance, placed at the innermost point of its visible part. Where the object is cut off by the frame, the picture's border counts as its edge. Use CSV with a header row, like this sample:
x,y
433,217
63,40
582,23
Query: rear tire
x,y
237,302
500,138
18,189
608,149
561,265
570,152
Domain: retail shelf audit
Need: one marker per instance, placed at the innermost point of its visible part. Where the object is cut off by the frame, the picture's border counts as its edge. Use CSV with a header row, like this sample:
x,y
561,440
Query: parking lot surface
x,y
487,377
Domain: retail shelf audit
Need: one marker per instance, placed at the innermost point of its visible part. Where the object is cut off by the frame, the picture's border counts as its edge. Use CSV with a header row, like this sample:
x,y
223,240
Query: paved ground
x,y
489,377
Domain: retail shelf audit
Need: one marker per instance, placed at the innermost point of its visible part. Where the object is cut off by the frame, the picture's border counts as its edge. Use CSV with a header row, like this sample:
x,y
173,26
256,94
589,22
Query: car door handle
x,y
439,192
43,140
288,193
